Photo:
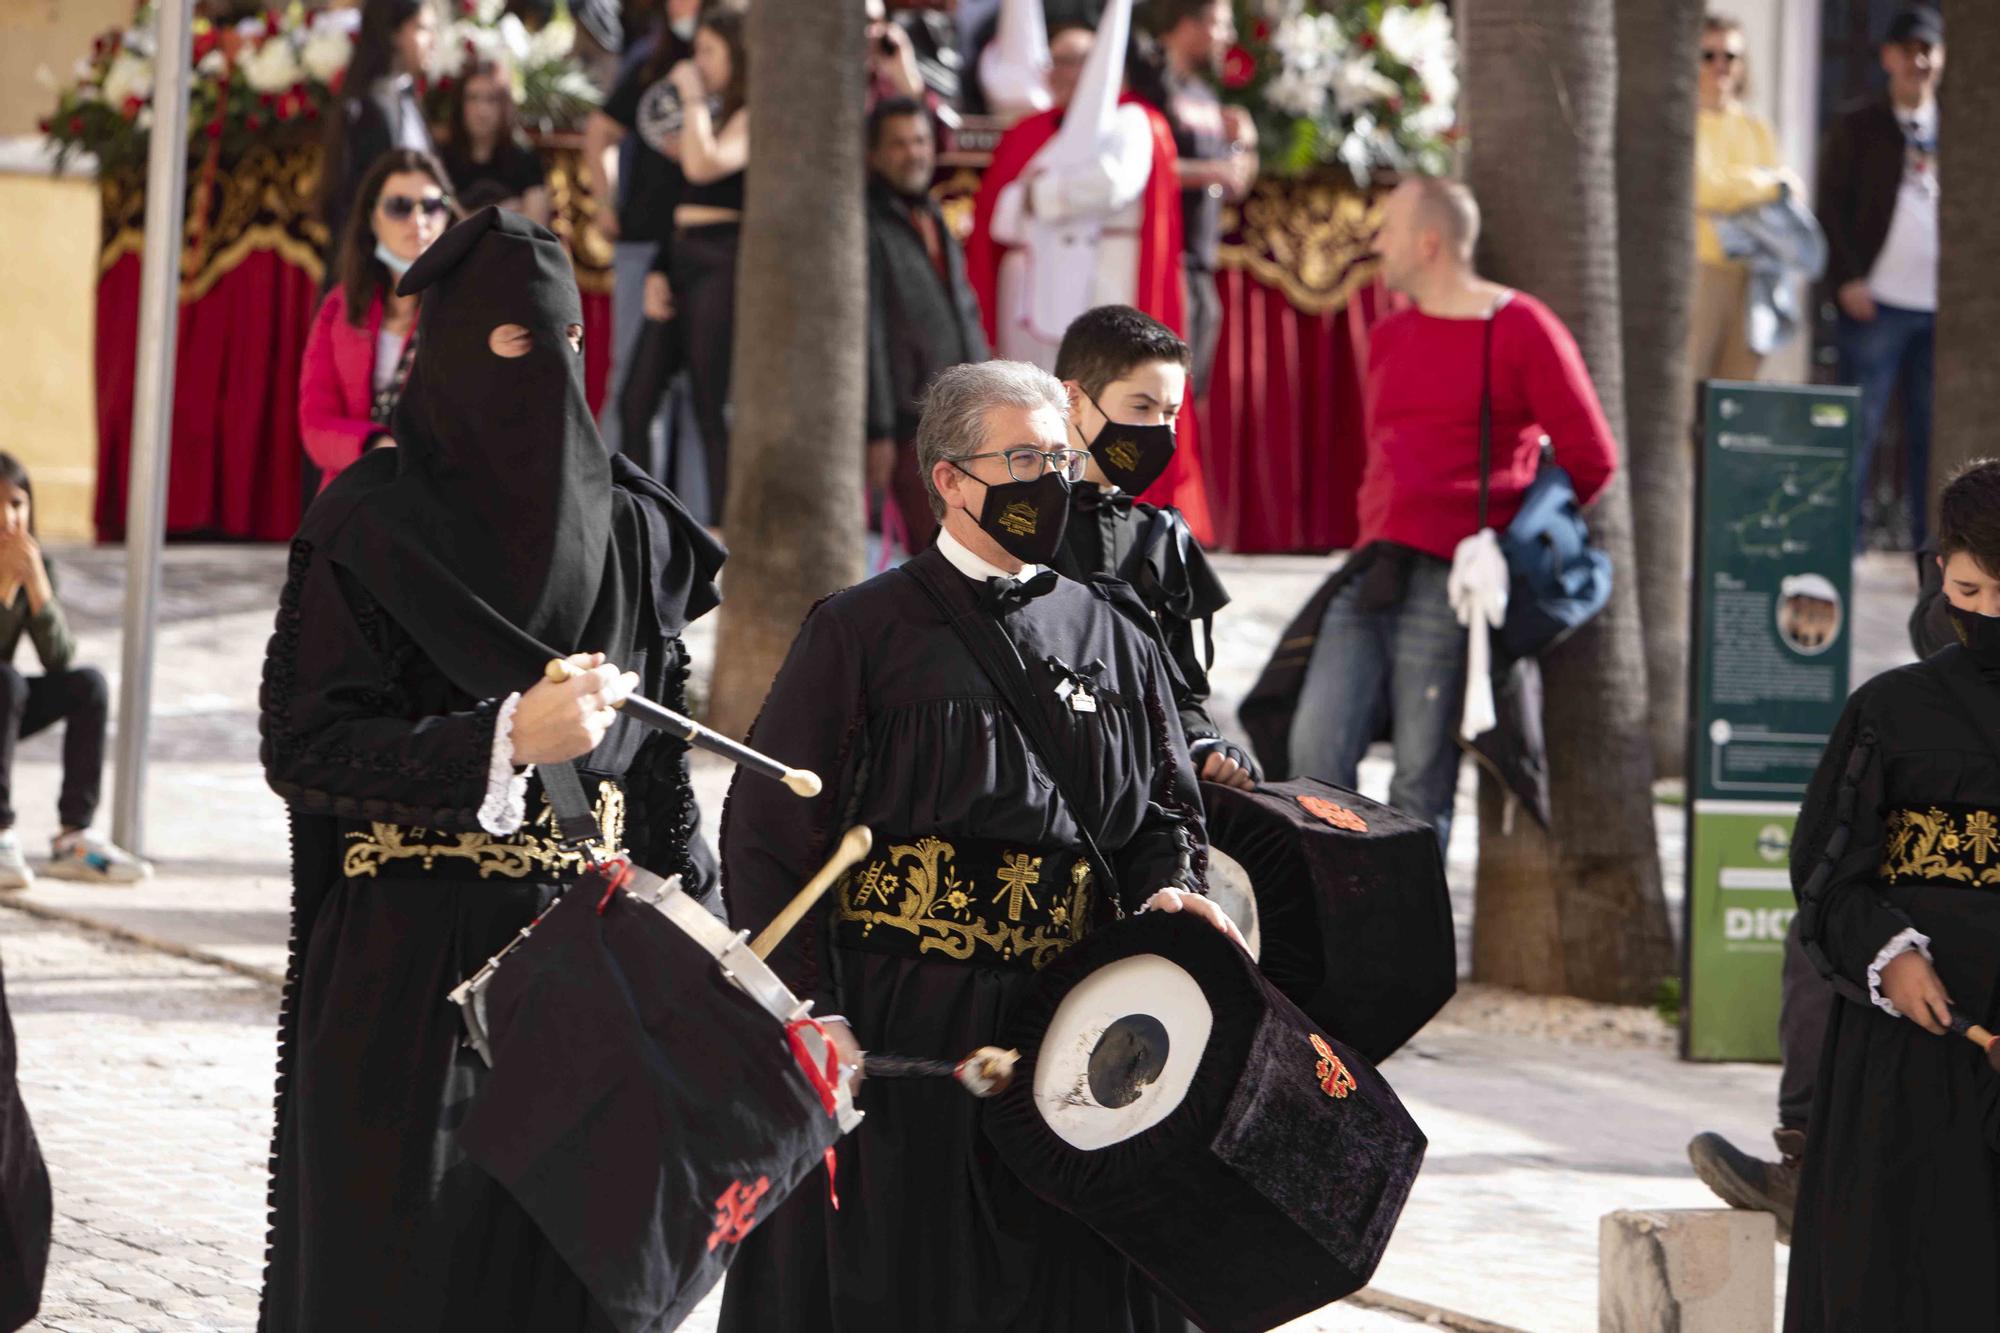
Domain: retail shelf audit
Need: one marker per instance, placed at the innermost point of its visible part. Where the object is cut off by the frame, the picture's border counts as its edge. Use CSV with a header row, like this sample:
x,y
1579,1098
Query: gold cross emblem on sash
x,y
1017,871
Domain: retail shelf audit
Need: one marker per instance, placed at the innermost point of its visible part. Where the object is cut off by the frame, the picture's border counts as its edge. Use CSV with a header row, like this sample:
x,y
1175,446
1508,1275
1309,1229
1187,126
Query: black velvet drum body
x,y
1352,904
1169,1097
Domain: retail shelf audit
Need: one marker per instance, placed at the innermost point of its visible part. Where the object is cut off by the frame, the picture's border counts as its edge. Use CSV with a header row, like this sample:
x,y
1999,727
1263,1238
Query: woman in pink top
x,y
358,353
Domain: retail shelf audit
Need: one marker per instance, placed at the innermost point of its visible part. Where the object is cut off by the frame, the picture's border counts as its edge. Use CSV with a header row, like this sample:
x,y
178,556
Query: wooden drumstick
x,y
854,845
1978,1036
802,781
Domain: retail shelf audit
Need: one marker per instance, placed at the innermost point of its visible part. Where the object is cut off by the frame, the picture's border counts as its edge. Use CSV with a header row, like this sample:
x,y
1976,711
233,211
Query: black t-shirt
x,y
514,169
1196,115
653,182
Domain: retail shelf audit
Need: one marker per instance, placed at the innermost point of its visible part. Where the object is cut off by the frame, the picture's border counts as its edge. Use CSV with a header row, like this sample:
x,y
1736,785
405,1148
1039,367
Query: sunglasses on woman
x,y
399,207
1712,56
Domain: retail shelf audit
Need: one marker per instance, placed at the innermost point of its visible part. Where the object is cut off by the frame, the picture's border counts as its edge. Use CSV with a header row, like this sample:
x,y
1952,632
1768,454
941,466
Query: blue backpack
x,y
1556,579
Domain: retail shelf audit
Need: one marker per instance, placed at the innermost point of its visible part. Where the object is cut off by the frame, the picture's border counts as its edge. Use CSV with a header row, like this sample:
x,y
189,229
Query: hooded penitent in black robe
x,y
1151,548
1898,1220
427,584
25,1211
928,955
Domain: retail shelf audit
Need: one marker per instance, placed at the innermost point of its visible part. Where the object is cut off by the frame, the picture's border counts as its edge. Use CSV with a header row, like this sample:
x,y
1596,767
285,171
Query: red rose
x,y
45,125
339,80
312,112
131,108
1366,41
1260,31
253,122
267,100
1239,67
468,7
444,84
271,24
76,126
215,129
1394,104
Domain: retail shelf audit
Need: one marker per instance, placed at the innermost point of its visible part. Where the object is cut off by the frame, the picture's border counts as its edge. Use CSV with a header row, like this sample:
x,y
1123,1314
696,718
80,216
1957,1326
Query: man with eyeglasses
x,y
1878,204
983,871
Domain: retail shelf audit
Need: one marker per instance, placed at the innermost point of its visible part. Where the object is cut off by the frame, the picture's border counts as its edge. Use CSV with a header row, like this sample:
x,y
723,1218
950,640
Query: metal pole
x,y
152,407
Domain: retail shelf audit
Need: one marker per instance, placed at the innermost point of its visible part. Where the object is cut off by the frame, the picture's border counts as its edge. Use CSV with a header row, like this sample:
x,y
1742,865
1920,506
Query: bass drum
x,y
1251,1166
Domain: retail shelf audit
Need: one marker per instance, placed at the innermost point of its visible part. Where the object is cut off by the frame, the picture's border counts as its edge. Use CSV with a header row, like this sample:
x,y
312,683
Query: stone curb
x,y
1370,1298
29,907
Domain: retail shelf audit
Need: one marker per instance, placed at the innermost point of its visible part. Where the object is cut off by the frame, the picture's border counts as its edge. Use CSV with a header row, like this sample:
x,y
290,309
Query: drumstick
x,y
1978,1036
854,845
803,782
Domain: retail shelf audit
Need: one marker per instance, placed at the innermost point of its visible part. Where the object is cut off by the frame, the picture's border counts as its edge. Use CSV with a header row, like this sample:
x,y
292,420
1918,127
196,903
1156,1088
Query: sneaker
x,y
79,856
1750,1183
14,872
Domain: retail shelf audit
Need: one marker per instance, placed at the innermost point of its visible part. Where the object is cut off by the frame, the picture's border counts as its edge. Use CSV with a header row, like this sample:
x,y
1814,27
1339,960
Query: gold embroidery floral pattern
x,y
533,850
1937,844
919,890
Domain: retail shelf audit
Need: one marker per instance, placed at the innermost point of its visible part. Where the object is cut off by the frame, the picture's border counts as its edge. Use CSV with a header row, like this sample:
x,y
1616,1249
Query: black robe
x,y
1898,1219
1152,549
879,696
25,1206
378,1219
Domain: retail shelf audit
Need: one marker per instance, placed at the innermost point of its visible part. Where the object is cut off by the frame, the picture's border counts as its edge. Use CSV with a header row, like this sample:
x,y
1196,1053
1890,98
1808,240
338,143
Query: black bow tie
x,y
1090,499
1001,594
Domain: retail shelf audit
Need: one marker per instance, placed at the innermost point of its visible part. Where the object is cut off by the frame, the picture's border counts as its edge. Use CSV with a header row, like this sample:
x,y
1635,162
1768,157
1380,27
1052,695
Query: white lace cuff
x,y
505,808
1899,944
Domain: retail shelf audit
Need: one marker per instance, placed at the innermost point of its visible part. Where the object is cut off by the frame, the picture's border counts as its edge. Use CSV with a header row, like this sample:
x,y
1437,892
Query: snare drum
x,y
655,1090
1252,1166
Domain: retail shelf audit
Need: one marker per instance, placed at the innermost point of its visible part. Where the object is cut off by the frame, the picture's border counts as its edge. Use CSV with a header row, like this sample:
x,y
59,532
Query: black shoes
x,y
1743,1181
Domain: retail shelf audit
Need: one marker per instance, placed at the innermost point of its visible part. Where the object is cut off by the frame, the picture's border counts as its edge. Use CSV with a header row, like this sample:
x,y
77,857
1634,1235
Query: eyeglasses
x,y
1026,464
487,99
1711,56
399,207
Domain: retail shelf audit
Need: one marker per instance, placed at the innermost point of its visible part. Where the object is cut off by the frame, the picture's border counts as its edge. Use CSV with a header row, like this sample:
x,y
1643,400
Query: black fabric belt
x,y
966,900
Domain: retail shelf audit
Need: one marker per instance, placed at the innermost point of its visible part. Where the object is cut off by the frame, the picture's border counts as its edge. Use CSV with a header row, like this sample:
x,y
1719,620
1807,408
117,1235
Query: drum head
x,y
1120,1051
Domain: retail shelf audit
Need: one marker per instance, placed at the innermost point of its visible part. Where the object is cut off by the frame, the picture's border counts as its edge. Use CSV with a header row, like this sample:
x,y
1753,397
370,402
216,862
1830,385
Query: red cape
x,y
1161,291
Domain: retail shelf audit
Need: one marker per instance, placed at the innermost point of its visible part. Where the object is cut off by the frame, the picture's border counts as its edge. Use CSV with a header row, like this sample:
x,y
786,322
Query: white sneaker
x,y
82,857
14,872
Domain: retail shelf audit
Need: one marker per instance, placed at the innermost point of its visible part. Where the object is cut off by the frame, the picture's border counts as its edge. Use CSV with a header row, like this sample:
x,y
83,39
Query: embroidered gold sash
x,y
533,851
971,901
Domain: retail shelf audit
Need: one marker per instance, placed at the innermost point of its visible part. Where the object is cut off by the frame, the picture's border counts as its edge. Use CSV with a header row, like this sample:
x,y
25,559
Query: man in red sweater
x,y
1390,649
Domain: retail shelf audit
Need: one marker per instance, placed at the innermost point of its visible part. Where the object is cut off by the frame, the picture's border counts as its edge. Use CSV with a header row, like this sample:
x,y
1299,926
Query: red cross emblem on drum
x,y
1334,1080
736,1211
1337,815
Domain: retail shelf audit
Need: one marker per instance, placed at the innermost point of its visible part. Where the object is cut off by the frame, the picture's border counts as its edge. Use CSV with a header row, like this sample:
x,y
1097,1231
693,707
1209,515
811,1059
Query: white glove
x,y
1477,590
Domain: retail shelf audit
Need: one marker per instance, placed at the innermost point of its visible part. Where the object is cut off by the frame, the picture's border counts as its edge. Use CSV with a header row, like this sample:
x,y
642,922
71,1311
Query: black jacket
x,y
918,324
1860,170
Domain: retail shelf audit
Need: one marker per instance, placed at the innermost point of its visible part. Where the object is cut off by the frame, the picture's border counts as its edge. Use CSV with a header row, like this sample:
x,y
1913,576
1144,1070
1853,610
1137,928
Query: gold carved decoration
x,y
917,889
533,850
1934,844
1308,236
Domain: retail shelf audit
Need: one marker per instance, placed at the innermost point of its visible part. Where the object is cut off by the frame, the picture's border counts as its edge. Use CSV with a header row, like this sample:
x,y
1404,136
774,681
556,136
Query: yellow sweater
x,y
1735,167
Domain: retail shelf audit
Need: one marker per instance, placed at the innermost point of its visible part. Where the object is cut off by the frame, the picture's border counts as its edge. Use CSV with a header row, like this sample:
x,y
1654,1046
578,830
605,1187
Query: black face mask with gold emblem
x,y
1131,457
1981,637
1026,517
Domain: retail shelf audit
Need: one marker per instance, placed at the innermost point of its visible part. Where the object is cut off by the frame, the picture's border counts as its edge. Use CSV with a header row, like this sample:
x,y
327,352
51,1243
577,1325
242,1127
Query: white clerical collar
x,y
973,567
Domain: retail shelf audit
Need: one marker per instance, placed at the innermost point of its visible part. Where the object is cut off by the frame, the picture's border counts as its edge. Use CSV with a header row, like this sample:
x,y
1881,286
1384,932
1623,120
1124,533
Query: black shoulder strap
x,y
576,821
1486,412
1001,661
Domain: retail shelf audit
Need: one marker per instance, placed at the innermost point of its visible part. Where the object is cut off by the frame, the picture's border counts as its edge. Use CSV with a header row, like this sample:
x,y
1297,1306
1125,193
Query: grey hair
x,y
955,405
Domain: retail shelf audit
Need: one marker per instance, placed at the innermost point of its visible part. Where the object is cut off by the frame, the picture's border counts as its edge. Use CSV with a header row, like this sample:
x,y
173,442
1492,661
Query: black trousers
x,y
1204,316
81,700
704,280
1805,1003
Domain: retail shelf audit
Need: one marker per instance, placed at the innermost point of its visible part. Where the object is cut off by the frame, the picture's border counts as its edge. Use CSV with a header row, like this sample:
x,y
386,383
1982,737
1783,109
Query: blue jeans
x,y
1404,666
1892,349
630,262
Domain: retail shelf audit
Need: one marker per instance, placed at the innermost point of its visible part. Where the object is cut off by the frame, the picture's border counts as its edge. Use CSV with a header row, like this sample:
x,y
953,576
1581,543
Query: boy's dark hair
x,y
15,473
1969,515
888,109
1104,345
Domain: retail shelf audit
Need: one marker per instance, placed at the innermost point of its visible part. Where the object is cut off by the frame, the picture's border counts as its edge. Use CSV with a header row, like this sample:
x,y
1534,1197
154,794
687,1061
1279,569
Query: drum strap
x,y
576,821
1001,662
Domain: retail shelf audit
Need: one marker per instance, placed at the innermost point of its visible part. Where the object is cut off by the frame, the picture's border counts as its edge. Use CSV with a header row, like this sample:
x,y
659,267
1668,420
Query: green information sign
x,y
1773,605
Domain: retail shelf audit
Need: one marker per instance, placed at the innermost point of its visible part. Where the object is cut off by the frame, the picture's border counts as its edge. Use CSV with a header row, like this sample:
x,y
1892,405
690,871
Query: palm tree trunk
x,y
795,474
1577,910
1968,375
1657,41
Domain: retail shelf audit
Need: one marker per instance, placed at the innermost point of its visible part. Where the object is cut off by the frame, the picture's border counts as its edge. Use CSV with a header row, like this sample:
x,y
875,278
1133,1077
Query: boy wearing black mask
x,y
1896,862
1127,377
